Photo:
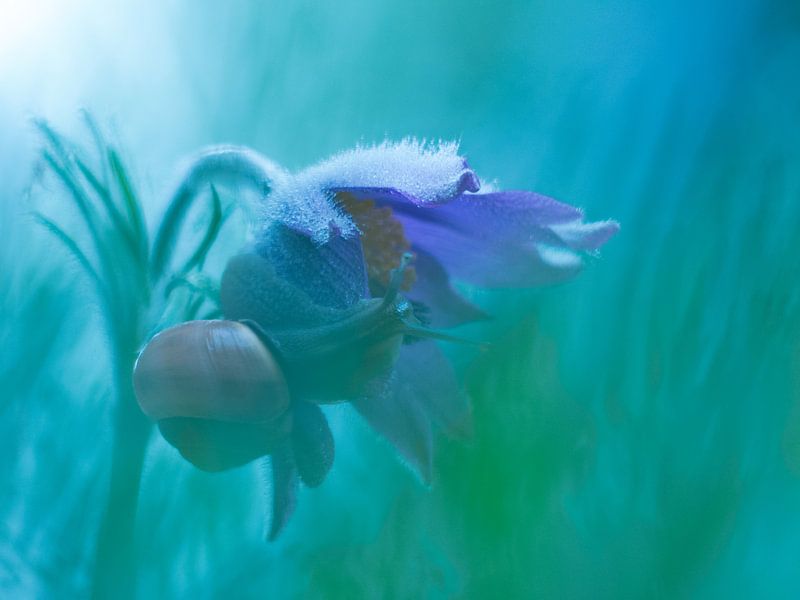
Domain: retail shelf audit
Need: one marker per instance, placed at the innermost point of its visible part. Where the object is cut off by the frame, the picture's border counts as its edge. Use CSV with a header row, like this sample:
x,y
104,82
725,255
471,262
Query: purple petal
x,y
432,381
333,274
252,289
508,213
398,417
445,307
585,236
497,239
312,443
493,262
284,490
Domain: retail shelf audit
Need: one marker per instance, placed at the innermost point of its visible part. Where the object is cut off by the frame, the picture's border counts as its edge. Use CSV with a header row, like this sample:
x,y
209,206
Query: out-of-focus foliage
x,y
637,430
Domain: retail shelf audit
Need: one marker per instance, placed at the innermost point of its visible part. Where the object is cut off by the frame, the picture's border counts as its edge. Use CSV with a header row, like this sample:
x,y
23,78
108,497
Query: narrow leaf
x,y
81,200
197,283
168,231
198,258
73,247
99,142
55,141
68,179
117,219
131,203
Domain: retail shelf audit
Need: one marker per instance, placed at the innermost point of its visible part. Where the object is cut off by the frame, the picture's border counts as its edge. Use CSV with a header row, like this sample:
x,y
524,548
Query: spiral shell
x,y
217,370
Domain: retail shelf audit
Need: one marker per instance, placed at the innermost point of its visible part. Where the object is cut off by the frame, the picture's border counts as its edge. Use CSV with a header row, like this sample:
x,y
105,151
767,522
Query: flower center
x,y
383,241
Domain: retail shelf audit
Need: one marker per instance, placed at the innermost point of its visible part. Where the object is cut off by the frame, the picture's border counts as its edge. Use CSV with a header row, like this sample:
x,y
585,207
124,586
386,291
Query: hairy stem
x,y
234,165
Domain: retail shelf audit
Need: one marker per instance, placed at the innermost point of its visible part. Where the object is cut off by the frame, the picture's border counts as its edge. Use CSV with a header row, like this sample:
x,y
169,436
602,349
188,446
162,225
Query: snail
x,y
306,322
216,392
225,392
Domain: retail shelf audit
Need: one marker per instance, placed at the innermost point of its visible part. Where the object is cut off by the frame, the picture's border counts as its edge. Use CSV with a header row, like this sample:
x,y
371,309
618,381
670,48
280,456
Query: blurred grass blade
x,y
54,140
194,306
168,232
64,173
73,247
197,283
131,203
117,219
67,178
99,142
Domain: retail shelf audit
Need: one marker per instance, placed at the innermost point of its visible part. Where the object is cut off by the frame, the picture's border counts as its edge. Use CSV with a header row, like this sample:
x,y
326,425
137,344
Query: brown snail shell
x,y
217,370
217,392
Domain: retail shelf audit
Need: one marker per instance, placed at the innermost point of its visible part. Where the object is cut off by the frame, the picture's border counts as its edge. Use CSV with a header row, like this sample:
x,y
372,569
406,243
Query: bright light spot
x,y
27,28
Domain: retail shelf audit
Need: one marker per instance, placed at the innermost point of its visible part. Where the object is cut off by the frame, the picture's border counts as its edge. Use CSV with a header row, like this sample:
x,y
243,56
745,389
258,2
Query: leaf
x,y
240,164
117,219
63,173
55,141
99,143
197,283
198,258
167,233
73,247
193,307
131,202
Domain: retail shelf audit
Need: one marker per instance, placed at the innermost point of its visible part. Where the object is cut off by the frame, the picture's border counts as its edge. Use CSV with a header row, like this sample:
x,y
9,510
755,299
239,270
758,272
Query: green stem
x,y
115,561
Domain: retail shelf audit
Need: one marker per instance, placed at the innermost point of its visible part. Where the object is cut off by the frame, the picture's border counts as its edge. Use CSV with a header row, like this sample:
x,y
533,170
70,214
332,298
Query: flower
x,y
353,217
353,263
409,196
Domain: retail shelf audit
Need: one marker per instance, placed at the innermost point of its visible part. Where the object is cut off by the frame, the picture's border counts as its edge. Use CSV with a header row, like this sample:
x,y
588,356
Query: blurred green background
x,y
637,429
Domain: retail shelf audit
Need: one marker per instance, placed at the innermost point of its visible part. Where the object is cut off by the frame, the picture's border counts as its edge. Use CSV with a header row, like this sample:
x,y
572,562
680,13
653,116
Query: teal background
x,y
637,430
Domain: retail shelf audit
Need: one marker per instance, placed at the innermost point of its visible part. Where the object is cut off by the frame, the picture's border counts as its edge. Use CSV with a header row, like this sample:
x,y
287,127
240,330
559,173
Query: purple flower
x,y
358,212
407,196
353,262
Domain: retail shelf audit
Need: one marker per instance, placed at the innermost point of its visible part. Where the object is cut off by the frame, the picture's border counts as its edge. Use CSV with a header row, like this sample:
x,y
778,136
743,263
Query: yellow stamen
x,y
382,239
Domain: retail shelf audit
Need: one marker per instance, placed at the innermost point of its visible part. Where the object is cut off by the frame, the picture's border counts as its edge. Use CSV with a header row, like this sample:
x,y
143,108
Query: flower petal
x,y
585,236
432,382
284,490
443,306
287,280
431,172
312,443
251,289
493,262
397,416
500,239
507,213
332,274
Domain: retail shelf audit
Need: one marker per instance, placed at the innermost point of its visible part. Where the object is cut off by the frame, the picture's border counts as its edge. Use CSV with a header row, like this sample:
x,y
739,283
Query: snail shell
x,y
217,370
216,391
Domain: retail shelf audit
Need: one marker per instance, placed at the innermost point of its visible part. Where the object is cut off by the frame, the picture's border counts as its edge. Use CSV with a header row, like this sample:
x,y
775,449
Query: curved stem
x,y
235,165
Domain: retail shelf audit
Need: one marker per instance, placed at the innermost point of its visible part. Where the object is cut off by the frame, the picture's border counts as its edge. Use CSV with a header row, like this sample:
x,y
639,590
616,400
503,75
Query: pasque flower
x,y
346,285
